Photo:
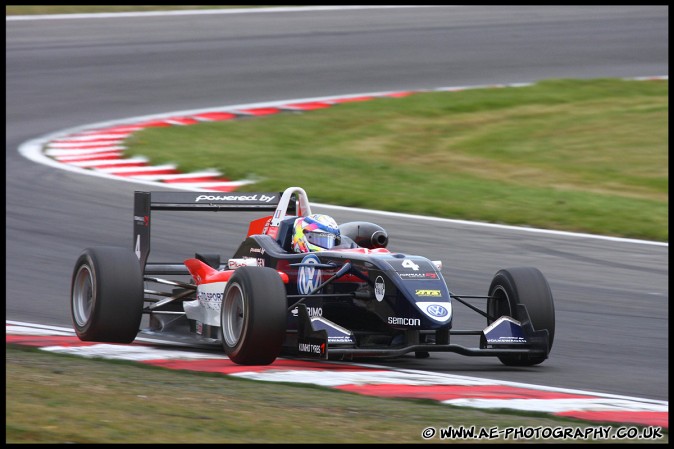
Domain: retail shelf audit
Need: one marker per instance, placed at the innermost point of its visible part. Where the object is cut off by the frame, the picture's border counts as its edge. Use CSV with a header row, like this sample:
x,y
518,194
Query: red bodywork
x,y
205,274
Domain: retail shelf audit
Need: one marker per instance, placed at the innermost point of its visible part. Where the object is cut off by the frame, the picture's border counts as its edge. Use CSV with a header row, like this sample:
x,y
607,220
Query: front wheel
x,y
253,316
106,295
526,286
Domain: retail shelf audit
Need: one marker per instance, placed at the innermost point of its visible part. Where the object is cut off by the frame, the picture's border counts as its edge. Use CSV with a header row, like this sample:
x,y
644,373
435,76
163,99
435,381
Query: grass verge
x,y
574,155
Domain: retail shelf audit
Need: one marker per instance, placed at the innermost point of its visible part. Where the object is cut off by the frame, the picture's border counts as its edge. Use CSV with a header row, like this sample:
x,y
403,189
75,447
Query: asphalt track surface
x,y
611,297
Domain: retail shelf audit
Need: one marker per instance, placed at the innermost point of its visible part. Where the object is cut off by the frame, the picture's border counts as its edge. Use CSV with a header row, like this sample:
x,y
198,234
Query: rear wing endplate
x,y
146,202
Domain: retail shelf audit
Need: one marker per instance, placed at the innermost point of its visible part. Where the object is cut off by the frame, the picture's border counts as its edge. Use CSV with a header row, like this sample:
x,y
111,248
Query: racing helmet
x,y
315,232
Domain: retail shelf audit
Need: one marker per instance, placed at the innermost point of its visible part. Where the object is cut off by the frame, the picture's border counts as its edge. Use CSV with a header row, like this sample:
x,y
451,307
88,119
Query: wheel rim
x,y
83,296
500,304
233,315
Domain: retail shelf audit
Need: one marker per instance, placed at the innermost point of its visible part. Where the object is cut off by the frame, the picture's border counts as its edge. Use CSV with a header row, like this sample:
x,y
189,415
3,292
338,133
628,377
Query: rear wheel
x,y
253,316
106,299
526,286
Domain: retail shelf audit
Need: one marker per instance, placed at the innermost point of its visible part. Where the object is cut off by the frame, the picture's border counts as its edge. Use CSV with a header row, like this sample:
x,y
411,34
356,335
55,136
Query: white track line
x,y
193,12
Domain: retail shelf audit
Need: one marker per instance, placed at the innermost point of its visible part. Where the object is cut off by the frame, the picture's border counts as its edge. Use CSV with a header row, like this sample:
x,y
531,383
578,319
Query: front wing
x,y
504,337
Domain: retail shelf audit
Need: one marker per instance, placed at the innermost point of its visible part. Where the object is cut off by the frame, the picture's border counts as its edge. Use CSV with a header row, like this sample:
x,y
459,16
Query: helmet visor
x,y
323,239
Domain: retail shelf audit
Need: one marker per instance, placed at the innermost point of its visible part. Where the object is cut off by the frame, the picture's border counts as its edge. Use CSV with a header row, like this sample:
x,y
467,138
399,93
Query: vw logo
x,y
309,278
437,310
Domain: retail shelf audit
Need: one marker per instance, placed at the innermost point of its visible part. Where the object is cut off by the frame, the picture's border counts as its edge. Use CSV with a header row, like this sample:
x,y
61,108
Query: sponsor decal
x,y
235,198
507,339
428,293
340,339
418,276
308,278
404,321
210,300
233,264
200,328
257,250
379,288
210,295
144,220
311,348
312,311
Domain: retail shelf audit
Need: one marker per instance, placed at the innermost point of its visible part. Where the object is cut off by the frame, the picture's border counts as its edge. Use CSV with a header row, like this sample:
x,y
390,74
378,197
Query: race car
x,y
357,299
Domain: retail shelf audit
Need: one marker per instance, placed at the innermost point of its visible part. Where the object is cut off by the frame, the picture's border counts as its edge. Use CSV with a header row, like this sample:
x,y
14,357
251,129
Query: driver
x,y
315,232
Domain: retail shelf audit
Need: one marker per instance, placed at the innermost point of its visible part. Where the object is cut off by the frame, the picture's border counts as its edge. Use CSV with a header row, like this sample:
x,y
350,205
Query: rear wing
x,y
146,202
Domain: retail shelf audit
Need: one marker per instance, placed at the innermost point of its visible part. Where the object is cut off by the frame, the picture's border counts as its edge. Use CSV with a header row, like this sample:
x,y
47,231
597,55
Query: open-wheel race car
x,y
357,299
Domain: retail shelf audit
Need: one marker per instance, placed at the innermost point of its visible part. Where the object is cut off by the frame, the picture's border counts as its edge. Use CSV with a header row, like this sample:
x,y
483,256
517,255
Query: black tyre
x,y
527,286
106,295
253,316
